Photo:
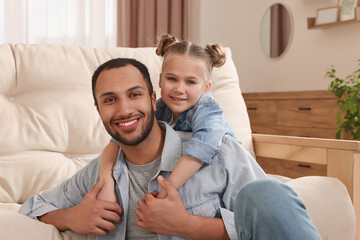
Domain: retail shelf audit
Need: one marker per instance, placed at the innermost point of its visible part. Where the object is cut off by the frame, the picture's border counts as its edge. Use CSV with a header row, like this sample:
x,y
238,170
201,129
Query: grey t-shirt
x,y
139,175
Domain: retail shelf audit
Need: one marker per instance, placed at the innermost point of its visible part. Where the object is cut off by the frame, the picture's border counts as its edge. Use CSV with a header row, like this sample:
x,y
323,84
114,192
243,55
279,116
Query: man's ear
x,y
207,87
96,107
160,80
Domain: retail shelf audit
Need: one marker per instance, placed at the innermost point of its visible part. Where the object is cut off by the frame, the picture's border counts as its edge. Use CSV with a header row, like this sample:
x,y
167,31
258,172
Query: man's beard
x,y
148,124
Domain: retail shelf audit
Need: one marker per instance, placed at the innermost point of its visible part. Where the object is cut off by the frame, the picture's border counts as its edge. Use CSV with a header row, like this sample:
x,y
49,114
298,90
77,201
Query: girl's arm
x,y
108,160
184,169
209,126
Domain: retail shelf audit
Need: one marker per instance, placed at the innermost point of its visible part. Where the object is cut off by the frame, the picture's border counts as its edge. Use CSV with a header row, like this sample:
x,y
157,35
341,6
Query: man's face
x,y
124,104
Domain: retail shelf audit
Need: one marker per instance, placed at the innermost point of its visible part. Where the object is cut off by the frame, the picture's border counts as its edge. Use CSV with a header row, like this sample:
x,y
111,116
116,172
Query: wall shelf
x,y
311,21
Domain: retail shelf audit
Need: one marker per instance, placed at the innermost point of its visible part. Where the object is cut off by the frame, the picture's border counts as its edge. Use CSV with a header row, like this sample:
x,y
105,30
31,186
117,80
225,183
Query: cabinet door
x,y
263,116
311,113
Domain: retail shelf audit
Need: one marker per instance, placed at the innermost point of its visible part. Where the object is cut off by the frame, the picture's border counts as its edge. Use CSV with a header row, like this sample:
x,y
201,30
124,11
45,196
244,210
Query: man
x,y
203,208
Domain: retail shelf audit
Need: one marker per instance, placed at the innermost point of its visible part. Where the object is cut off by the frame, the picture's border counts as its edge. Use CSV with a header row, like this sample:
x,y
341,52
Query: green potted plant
x,y
347,93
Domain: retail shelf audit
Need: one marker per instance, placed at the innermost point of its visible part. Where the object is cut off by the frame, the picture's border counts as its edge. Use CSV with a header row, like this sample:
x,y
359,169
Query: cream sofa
x,y
50,129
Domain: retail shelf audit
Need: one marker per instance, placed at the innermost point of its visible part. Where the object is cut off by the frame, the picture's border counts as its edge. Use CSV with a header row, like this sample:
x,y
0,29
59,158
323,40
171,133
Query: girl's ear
x,y
160,80
207,87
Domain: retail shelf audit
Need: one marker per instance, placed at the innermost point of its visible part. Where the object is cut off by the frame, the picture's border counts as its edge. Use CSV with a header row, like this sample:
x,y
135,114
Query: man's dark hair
x,y
122,62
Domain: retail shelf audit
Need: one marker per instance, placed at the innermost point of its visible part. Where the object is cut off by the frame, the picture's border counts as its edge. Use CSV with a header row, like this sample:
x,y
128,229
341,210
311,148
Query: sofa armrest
x,y
341,157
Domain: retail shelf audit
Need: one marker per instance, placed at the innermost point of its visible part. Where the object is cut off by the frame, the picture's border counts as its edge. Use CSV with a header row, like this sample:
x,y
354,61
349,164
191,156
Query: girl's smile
x,y
183,80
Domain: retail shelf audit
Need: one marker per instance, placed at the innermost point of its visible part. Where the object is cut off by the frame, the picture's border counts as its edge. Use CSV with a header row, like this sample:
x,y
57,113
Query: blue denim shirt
x,y
207,122
210,192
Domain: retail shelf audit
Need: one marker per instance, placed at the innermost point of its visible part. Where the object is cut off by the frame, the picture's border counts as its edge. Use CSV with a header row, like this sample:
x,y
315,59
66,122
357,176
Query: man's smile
x,y
126,125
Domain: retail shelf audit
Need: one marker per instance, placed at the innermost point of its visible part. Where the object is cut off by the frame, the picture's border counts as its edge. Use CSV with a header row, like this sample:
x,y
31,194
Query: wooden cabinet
x,y
304,114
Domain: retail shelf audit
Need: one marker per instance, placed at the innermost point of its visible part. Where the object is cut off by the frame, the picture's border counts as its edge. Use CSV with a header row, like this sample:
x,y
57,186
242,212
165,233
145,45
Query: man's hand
x,y
166,216
91,216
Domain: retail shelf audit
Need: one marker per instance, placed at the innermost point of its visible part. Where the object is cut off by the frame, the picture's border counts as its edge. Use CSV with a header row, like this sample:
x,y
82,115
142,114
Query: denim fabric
x,y
207,122
210,192
269,209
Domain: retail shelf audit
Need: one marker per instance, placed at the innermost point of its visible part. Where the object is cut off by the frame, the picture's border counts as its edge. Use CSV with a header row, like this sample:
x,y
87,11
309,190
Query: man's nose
x,y
123,108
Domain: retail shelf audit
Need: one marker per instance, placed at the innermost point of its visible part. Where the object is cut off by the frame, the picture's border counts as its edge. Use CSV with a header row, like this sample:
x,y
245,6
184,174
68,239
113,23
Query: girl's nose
x,y
179,87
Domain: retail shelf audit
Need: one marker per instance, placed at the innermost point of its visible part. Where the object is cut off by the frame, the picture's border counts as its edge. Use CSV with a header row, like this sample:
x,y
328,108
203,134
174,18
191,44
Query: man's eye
x,y
109,100
133,95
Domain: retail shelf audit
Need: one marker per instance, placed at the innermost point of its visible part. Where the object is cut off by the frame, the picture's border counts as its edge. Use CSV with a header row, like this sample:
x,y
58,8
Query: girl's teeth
x,y
127,123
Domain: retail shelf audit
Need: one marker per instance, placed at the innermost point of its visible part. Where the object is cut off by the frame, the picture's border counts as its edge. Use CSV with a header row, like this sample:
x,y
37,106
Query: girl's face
x,y
183,80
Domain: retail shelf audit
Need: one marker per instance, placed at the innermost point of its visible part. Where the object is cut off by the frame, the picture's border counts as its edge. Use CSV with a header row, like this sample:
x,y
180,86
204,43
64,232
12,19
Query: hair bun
x,y
165,42
217,54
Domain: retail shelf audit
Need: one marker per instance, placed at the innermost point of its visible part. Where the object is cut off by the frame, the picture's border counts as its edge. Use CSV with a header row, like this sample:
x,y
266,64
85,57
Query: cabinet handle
x,y
252,108
304,109
304,165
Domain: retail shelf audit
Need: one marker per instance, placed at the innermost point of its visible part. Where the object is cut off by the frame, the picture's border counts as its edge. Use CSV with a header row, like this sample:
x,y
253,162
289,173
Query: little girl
x,y
187,105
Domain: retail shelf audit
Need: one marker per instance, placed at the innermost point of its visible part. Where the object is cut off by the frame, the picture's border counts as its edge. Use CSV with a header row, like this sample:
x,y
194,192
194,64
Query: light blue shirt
x,y
210,192
207,123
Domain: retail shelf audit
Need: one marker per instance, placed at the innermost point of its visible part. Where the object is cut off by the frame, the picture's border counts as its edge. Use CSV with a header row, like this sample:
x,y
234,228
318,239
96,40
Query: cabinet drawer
x,y
262,113
307,113
291,169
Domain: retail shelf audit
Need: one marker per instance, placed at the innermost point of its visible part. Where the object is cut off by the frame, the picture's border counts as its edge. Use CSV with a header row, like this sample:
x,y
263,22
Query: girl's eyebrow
x,y
169,73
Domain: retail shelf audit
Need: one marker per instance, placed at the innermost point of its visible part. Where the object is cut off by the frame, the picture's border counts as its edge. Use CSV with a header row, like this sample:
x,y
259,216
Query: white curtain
x,y
67,22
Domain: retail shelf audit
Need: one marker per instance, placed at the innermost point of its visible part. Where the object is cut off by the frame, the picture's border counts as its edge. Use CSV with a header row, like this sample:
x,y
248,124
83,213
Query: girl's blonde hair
x,y
213,54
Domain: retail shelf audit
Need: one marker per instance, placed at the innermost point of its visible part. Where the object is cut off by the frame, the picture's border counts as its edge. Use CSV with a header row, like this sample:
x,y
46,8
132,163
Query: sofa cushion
x,y
19,226
325,199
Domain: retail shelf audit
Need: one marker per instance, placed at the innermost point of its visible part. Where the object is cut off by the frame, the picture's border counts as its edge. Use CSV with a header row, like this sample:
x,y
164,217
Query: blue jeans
x,y
269,209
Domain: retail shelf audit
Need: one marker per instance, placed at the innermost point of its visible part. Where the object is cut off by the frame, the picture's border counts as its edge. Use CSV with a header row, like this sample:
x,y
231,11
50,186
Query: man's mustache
x,y
127,117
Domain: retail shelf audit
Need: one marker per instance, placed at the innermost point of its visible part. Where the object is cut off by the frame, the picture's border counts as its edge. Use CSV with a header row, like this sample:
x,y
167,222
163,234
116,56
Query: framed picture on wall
x,y
326,15
347,10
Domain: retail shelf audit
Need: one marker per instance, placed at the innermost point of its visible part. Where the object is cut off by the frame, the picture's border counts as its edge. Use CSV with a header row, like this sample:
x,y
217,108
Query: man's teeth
x,y
127,123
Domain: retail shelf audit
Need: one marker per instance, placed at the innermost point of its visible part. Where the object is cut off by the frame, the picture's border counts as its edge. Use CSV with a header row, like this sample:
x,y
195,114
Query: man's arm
x,y
91,216
169,217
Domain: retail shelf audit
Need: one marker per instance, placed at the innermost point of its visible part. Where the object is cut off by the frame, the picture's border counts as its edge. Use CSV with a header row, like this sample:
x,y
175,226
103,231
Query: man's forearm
x,y
199,227
91,216
56,218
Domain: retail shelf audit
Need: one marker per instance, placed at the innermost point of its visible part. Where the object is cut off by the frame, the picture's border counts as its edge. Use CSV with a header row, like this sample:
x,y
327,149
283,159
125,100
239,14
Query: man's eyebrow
x,y
107,94
135,87
129,90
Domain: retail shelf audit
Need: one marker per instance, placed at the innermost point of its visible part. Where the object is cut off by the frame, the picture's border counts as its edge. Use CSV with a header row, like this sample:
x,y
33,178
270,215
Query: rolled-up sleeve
x,y
68,194
209,127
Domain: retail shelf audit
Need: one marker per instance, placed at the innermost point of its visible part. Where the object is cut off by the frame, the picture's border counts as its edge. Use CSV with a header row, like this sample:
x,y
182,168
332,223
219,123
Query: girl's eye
x,y
171,79
191,82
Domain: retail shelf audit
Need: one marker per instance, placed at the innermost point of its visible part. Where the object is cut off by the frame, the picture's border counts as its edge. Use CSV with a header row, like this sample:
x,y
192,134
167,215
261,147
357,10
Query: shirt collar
x,y
172,148
170,155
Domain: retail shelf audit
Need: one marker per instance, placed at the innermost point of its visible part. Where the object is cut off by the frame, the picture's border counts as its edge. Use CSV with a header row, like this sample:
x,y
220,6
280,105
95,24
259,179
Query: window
x,y
67,22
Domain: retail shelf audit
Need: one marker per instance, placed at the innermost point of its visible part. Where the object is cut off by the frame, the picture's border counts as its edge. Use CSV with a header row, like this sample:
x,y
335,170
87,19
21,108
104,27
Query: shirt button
x,y
12,99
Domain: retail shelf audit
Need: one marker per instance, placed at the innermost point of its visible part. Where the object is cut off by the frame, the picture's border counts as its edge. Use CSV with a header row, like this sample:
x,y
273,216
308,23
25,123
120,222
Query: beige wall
x,y
236,23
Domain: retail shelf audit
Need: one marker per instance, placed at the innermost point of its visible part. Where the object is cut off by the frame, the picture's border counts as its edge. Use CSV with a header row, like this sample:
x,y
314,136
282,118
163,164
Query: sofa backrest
x,y
49,125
